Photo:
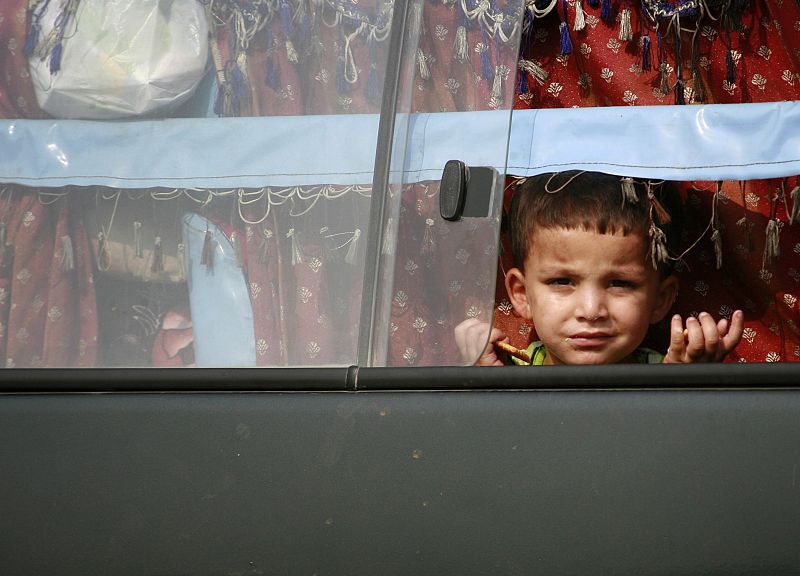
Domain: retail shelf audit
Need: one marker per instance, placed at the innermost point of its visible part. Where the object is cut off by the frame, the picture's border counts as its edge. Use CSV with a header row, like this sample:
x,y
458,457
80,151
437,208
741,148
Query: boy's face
x,y
591,296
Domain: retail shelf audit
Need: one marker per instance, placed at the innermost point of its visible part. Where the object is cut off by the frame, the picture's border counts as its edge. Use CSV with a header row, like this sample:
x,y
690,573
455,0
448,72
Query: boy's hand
x,y
472,336
704,340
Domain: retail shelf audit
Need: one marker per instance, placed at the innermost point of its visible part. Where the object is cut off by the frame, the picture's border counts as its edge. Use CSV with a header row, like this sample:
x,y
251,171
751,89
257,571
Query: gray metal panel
x,y
502,482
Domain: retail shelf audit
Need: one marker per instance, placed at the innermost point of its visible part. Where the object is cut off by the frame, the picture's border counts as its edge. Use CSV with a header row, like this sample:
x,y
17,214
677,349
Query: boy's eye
x,y
620,284
559,282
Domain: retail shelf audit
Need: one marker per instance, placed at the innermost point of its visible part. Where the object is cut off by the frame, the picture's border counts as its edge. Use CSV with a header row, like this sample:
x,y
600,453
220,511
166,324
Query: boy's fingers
x,y
695,346
722,327
496,335
471,336
474,341
704,340
733,336
488,355
710,335
478,335
676,340
460,334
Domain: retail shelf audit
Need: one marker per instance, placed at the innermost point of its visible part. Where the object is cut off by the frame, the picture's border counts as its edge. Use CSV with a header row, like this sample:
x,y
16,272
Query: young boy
x,y
593,271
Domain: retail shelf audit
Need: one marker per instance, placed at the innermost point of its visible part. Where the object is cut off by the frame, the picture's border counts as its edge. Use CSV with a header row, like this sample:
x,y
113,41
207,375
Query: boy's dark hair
x,y
595,201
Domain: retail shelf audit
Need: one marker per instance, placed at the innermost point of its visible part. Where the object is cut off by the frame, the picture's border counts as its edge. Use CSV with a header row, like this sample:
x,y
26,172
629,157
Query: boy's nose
x,y
591,305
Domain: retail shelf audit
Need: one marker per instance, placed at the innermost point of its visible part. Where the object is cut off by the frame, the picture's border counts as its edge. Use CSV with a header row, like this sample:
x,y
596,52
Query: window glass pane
x,y
194,188
435,272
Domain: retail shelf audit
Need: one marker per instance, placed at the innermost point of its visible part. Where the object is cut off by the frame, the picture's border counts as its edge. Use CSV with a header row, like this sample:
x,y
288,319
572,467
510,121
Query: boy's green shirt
x,y
538,353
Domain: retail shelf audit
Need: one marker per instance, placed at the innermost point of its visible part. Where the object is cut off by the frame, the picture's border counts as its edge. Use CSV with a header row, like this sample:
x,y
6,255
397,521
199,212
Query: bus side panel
x,y
490,482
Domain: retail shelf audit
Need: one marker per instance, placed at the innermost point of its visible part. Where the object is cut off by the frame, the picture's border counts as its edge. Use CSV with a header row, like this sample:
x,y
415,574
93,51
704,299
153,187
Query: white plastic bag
x,y
118,58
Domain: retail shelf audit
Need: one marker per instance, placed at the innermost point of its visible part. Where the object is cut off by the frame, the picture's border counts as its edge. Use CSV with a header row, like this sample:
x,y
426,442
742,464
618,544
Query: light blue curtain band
x,y
713,142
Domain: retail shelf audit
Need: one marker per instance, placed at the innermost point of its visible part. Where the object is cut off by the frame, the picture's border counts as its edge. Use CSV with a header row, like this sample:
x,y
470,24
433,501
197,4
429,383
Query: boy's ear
x,y
515,286
667,292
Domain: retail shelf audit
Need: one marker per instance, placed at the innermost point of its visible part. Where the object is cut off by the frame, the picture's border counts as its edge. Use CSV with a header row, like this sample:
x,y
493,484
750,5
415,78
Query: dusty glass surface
x,y
198,192
454,103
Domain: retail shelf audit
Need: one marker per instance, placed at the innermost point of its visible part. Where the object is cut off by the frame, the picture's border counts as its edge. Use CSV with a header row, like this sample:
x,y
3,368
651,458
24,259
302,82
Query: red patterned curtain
x,y
720,56
286,58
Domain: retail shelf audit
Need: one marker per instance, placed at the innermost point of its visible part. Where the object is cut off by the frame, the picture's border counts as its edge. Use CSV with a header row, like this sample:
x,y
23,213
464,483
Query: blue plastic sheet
x,y
721,141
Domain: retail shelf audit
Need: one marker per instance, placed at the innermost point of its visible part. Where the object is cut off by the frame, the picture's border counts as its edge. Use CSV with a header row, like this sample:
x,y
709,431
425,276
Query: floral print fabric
x,y
49,309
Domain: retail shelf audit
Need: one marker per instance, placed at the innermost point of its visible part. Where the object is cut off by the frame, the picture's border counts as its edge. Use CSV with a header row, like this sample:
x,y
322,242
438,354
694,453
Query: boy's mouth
x,y
589,339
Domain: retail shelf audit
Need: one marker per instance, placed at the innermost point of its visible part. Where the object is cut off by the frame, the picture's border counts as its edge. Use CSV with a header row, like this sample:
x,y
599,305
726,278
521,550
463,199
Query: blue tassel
x,y
566,43
286,19
487,70
239,89
646,53
466,22
238,82
522,82
31,39
219,102
60,24
305,29
605,10
594,3
55,57
33,16
527,29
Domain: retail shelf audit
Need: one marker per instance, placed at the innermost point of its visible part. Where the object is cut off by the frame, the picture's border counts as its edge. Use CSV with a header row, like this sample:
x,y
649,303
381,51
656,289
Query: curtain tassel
x,y
534,69
716,238
698,89
263,249
352,250
460,46
297,255
236,244
772,246
658,245
795,196
207,254
629,191
605,10
103,259
157,265
428,241
730,67
67,254
496,97
625,31
566,43
286,26
665,87
138,252
182,260
680,97
580,17
422,62
389,233
646,53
